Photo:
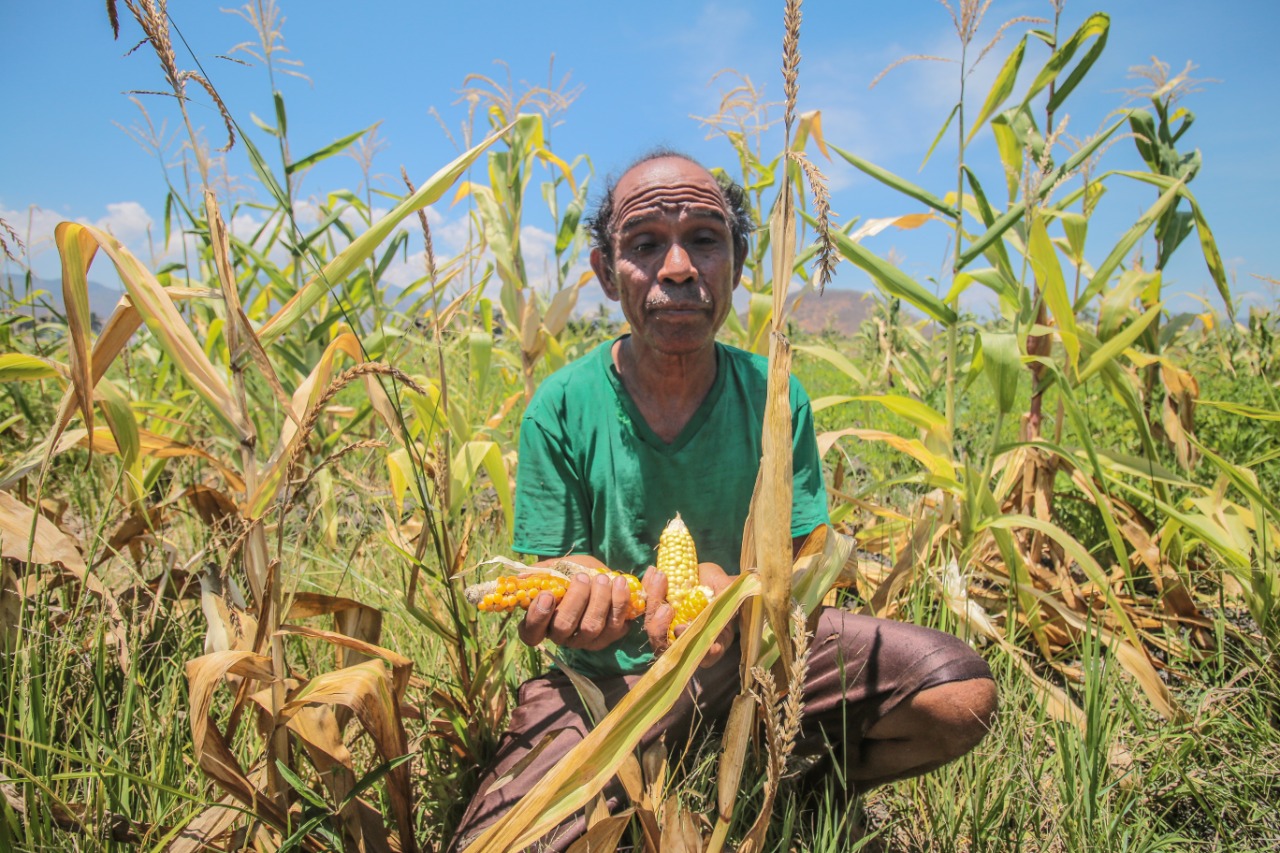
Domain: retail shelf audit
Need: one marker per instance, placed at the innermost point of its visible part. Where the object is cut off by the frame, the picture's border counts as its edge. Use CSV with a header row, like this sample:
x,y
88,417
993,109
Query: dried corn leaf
x,y
171,332
304,397
162,447
208,829
733,756
240,335
401,666
212,749
679,830
28,537
604,835
366,690
586,768
1132,657
76,249
770,511
121,325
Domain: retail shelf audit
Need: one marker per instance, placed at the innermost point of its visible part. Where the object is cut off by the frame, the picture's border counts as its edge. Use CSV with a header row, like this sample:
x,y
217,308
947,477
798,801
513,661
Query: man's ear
x,y
604,274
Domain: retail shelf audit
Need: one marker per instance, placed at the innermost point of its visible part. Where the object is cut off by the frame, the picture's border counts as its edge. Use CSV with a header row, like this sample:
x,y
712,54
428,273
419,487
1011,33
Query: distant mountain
x,y
839,311
102,299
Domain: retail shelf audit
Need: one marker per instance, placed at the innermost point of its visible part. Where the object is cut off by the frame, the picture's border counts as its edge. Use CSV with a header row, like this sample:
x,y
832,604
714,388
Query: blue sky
x,y
643,69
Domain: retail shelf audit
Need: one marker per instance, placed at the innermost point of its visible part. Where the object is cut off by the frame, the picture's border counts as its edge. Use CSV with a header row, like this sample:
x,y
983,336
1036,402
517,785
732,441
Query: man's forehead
x,y
665,184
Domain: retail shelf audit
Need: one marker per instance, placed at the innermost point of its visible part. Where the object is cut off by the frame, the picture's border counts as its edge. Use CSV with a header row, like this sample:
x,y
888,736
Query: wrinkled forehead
x,y
667,186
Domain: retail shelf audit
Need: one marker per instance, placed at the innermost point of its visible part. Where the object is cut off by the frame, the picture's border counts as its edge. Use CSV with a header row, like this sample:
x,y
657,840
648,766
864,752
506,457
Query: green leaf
x,y
1001,88
1208,245
1243,410
759,318
921,414
466,465
890,279
988,217
1145,138
20,367
1076,227
122,422
1008,291
1118,343
1002,363
836,359
282,124
262,125
1096,26
1010,151
260,168
480,344
400,241
568,225
902,185
941,132
1126,243
1053,287
335,147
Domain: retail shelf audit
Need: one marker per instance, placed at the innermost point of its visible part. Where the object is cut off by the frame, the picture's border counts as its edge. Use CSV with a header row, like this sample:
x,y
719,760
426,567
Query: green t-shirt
x,y
593,478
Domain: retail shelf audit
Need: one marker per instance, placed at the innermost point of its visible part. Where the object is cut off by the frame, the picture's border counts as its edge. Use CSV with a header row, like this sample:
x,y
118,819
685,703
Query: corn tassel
x,y
678,560
505,594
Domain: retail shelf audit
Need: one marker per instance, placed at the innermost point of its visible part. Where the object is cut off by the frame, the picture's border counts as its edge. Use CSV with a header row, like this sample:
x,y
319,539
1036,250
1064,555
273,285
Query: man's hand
x,y
592,614
658,613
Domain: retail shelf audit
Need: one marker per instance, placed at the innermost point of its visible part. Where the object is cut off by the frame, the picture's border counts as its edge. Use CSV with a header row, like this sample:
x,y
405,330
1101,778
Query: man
x,y
665,420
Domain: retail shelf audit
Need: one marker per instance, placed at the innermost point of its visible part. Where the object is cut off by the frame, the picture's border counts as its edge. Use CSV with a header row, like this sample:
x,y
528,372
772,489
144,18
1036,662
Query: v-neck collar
x,y
642,428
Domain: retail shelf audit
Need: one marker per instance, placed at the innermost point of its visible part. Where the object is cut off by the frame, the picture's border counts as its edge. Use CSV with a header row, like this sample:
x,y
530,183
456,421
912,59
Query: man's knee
x,y
963,712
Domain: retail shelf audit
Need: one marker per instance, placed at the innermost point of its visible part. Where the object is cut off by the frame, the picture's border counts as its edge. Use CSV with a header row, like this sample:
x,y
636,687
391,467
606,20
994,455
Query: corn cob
x,y
504,594
678,560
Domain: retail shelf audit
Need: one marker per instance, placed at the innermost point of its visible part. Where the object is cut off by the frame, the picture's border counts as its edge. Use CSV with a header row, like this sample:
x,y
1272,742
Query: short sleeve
x,y
552,515
809,499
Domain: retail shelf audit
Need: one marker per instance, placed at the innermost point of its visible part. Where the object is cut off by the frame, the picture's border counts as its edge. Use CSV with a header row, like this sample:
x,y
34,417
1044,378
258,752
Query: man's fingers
x,y
596,616
533,628
657,612
654,584
620,605
568,613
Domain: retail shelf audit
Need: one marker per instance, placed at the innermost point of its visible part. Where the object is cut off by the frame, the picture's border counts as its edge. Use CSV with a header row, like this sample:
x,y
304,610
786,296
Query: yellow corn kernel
x,y
504,594
678,560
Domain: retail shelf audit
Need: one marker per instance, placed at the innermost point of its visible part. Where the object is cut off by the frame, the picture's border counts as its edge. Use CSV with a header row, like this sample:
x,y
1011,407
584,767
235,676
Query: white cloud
x,y
127,221
34,227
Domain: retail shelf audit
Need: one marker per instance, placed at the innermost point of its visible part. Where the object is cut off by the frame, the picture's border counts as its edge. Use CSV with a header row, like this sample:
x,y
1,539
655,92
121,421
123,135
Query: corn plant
x,y
992,515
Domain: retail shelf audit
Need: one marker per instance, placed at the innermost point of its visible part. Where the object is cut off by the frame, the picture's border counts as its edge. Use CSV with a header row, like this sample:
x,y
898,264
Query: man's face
x,y
674,268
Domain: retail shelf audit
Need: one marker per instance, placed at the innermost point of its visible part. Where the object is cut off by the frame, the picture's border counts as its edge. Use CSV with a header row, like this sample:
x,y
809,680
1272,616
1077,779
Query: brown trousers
x,y
860,668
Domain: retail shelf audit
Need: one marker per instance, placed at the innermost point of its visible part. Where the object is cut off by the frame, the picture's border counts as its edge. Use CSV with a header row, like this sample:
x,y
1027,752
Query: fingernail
x,y
603,579
619,582
582,577
546,601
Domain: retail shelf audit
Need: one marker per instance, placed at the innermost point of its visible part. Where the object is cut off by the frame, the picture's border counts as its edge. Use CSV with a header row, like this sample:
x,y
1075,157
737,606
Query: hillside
x,y
840,311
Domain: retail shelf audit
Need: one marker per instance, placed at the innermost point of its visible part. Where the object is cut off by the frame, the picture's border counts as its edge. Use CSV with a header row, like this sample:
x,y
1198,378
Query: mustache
x,y
684,302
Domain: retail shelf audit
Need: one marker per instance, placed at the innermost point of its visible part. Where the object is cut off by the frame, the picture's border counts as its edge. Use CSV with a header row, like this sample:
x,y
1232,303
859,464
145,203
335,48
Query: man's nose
x,y
676,266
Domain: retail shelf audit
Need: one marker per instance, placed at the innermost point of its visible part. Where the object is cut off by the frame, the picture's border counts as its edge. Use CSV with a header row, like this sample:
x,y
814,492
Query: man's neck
x,y
667,389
